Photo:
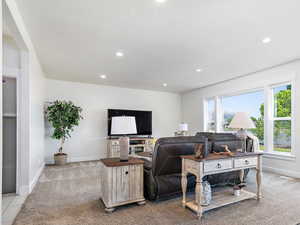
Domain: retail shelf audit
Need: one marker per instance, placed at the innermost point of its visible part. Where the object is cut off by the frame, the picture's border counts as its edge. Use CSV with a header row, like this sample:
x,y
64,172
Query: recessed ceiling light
x,y
165,84
103,76
266,40
199,70
160,1
119,54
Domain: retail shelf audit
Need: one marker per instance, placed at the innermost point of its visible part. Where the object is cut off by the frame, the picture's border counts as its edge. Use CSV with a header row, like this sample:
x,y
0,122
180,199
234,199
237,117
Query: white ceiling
x,y
76,40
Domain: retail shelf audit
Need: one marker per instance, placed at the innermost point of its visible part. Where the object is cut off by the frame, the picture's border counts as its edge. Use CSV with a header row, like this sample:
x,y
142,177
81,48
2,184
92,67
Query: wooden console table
x,y
215,164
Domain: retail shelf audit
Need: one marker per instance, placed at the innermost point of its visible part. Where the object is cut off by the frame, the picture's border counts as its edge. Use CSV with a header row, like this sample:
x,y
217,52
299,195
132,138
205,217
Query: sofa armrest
x,y
150,185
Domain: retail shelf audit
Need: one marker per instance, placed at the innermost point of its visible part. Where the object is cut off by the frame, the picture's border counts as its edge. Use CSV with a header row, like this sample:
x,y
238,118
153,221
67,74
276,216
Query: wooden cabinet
x,y
136,145
121,182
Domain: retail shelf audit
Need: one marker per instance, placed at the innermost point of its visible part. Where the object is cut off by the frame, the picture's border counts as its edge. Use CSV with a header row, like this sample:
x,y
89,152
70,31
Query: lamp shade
x,y
183,127
241,120
122,125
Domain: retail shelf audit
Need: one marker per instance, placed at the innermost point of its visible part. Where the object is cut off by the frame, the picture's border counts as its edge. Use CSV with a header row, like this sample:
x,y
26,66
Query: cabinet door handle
x,y
246,162
126,172
219,166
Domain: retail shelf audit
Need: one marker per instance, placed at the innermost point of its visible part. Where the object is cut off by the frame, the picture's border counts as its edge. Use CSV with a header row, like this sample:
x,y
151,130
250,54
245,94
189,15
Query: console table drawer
x,y
214,165
245,162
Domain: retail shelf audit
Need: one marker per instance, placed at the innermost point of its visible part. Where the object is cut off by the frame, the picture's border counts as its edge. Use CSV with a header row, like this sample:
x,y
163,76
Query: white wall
x,y
11,53
88,142
192,108
33,86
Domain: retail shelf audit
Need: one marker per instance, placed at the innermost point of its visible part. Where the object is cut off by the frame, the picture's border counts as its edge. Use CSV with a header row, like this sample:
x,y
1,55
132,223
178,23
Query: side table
x,y
122,182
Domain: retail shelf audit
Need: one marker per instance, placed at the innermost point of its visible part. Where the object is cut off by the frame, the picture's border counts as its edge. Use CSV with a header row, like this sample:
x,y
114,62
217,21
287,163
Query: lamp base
x,y
124,148
242,134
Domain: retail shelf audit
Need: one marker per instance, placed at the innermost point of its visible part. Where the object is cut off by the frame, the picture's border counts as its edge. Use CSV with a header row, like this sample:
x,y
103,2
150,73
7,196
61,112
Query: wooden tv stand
x,y
137,144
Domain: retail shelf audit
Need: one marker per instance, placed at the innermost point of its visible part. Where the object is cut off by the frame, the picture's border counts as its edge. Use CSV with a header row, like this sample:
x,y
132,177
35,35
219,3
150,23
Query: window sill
x,y
281,156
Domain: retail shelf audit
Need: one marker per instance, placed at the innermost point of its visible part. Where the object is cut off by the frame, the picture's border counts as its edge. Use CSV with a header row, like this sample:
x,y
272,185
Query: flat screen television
x,y
143,120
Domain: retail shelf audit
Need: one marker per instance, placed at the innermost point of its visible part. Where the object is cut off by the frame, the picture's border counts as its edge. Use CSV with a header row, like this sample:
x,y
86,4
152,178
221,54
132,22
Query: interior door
x,y
9,136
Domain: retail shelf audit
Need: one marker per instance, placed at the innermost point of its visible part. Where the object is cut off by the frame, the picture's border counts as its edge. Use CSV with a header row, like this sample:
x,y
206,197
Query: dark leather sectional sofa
x,y
162,175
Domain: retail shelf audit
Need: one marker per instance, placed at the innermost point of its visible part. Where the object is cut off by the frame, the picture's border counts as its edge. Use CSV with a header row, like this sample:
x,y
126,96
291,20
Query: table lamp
x,y
183,128
242,122
123,126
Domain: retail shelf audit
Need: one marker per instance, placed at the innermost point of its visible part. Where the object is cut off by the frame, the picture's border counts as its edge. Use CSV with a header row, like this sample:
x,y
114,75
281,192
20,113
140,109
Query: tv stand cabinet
x,y
137,144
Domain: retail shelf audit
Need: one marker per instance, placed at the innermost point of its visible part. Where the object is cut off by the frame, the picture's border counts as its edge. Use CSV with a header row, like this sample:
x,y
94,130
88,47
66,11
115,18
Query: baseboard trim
x,y
36,177
23,190
75,159
288,173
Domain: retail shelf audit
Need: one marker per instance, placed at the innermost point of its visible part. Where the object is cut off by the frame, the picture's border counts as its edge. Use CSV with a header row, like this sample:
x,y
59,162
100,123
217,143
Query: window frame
x,y
206,114
272,119
268,116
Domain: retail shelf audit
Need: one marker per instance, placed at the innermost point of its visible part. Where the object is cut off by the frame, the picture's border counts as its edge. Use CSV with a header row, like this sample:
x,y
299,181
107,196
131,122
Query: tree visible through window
x,y
282,124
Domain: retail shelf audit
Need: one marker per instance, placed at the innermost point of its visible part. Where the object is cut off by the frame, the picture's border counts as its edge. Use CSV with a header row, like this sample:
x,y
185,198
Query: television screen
x,y
143,120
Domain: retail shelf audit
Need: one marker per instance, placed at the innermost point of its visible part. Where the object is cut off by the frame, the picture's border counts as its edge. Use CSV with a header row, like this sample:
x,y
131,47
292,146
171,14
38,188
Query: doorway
x,y
9,168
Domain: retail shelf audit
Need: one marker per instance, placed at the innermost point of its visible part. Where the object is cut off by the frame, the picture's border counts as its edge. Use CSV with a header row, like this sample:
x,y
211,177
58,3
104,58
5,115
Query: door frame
x,y
21,74
22,151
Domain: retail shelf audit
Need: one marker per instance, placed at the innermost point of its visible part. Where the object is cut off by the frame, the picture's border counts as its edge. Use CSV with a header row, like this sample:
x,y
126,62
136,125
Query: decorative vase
x,y
236,191
207,196
60,159
124,148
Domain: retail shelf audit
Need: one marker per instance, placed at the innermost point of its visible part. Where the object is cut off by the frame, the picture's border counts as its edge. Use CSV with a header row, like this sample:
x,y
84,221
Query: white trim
x,y
205,114
23,190
268,112
218,114
282,118
284,83
279,155
83,158
288,173
36,177
23,167
11,72
293,117
50,161
242,92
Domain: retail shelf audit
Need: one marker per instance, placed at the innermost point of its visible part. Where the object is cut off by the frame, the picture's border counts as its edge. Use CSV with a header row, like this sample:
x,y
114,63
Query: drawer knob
x,y
126,172
246,162
219,166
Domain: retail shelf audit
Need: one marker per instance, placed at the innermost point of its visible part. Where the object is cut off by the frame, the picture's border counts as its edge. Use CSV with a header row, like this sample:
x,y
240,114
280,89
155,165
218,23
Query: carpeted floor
x,y
69,196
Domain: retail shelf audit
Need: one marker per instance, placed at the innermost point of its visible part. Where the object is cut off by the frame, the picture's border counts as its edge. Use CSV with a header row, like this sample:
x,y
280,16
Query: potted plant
x,y
63,116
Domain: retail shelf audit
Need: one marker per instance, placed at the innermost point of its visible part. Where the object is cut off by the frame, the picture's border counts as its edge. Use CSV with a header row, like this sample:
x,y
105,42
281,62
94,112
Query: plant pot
x,y
60,159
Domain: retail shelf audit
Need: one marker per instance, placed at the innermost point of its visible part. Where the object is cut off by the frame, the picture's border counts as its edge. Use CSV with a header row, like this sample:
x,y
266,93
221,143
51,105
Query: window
x,y
281,121
253,103
211,116
269,108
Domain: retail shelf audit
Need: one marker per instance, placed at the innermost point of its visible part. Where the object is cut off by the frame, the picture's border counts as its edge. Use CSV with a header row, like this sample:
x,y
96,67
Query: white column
x,y
219,114
268,126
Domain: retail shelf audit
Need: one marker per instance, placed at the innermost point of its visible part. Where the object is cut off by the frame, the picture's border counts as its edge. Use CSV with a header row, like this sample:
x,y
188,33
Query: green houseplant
x,y
63,116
